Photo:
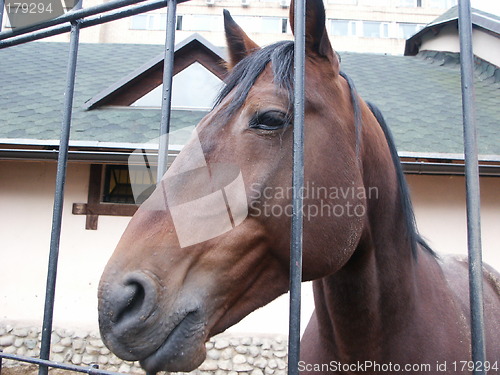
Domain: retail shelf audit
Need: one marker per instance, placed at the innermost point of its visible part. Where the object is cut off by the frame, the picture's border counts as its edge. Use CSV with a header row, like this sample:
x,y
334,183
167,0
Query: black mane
x,y
411,226
280,55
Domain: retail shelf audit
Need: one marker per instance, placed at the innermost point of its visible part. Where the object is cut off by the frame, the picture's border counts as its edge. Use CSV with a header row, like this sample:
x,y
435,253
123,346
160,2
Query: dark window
x,y
117,188
128,185
284,25
179,23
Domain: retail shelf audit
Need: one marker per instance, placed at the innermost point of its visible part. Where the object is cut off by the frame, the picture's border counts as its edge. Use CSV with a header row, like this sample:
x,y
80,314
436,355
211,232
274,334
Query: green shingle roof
x,y
419,98
33,83
421,101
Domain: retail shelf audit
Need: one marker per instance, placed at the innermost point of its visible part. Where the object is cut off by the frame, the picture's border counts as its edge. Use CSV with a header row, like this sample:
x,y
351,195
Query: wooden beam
x,y
94,195
107,209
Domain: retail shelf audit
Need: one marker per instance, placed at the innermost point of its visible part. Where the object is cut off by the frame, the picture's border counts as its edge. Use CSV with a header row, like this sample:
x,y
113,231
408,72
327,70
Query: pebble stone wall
x,y
226,354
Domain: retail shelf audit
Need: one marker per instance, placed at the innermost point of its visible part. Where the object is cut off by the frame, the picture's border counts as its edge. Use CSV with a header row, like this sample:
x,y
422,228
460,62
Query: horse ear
x,y
238,43
317,41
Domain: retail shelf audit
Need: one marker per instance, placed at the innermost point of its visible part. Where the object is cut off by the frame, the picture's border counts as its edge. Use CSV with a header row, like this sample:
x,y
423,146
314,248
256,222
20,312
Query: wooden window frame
x,y
94,207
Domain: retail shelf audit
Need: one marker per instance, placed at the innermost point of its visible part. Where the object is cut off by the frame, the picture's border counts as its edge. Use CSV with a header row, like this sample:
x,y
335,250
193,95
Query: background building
x,y
379,26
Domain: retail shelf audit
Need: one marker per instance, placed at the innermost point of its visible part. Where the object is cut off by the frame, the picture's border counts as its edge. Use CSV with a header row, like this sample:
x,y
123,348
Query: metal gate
x,y
80,18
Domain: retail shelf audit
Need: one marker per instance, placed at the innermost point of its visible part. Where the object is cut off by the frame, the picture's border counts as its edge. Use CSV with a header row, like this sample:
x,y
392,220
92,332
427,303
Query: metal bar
x,y
298,183
92,370
166,104
69,17
59,195
2,4
472,186
91,21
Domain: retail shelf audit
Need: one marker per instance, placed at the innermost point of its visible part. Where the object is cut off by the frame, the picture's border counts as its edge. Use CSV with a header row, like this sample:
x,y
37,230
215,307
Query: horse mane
x,y
244,75
404,192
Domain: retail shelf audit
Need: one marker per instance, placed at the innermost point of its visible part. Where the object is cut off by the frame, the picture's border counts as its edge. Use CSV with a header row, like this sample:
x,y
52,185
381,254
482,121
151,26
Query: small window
x,y
118,180
202,22
343,27
149,21
347,2
163,22
271,25
410,3
373,29
442,4
139,22
407,30
115,190
377,3
178,25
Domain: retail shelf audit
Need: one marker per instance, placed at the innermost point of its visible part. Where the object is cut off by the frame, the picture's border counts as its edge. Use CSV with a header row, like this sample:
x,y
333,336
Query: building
x,y
441,35
378,26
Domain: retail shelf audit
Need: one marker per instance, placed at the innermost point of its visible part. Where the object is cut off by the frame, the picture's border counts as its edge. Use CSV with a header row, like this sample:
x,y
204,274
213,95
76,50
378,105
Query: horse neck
x,y
373,293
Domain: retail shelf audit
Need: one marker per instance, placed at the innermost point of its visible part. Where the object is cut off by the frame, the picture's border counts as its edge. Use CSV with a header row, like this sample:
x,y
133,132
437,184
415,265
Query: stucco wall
x,y
26,195
439,203
448,40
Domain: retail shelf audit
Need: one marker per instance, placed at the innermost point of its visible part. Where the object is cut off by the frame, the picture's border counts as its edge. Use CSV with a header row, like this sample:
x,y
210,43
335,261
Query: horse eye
x,y
270,120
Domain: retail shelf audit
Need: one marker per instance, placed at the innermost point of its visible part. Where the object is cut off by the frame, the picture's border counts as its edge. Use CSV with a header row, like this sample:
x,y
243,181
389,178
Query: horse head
x,y
212,242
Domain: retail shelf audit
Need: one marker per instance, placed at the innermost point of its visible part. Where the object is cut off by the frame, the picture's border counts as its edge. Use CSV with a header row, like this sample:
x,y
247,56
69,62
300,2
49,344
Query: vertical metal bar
x,y
166,104
298,183
59,195
2,4
472,185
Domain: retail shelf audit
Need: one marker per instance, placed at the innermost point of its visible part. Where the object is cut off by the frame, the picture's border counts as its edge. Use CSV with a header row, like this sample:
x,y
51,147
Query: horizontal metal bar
x,y
84,23
70,16
63,366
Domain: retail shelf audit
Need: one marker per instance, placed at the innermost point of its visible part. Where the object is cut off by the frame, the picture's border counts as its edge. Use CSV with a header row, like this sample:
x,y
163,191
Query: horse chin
x,y
183,350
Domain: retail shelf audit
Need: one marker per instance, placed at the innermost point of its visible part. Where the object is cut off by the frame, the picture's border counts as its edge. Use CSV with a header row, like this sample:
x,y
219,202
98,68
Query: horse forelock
x,y
244,75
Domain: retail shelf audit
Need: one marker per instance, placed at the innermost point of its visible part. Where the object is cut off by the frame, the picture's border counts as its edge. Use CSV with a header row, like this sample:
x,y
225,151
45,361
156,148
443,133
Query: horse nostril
x,y
132,302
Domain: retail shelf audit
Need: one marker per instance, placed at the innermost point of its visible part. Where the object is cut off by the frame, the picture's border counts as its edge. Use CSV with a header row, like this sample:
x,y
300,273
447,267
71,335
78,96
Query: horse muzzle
x,y
134,326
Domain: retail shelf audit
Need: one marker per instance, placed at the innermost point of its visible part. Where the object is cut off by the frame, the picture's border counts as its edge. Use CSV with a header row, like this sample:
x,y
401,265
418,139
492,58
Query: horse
x,y
384,301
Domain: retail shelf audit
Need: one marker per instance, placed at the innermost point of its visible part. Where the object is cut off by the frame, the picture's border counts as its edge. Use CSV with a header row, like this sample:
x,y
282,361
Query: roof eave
x,y
119,153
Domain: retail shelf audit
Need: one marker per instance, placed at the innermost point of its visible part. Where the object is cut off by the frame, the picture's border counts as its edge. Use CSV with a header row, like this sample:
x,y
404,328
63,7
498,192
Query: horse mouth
x,y
182,350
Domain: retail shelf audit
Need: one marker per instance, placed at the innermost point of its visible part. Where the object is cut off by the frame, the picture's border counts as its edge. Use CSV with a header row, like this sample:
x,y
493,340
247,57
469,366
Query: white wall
x,y
448,40
26,195
440,211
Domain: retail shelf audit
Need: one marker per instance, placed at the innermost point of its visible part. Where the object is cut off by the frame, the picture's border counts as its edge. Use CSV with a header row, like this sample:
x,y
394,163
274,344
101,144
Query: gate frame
x,y
111,11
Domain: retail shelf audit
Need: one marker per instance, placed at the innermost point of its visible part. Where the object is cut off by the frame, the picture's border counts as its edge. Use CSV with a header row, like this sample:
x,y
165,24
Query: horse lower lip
x,y
174,345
